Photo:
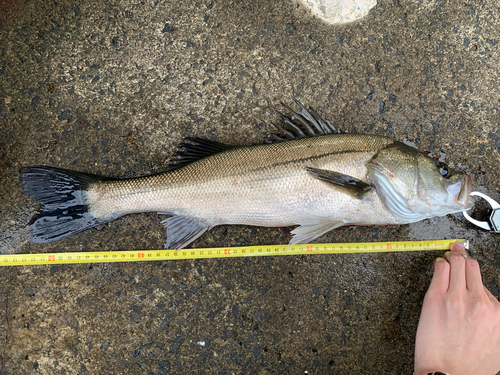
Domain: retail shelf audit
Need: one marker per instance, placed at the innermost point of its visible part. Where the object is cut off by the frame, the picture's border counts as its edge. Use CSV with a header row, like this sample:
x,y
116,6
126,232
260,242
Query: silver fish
x,y
311,176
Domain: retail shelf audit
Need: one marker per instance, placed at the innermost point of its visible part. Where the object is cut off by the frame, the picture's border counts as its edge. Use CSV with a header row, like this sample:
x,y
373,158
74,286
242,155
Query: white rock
x,y
339,11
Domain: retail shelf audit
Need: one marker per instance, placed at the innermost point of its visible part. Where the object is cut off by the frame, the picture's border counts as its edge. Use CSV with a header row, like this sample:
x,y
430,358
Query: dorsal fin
x,y
302,124
192,149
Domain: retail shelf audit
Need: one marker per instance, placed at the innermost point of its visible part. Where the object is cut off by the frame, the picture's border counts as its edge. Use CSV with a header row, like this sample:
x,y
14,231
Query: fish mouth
x,y
461,192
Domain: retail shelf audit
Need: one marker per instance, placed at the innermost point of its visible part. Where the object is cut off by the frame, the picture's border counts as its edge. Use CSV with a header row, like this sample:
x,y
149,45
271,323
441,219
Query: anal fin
x,y
312,229
181,231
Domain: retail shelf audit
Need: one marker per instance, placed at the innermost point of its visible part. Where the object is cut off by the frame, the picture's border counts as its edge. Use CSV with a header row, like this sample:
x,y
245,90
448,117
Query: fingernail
x,y
457,246
439,259
467,254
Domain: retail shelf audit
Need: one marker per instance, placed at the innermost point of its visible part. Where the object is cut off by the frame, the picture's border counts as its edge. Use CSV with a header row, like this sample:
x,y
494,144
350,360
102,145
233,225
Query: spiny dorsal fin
x,y
302,124
192,149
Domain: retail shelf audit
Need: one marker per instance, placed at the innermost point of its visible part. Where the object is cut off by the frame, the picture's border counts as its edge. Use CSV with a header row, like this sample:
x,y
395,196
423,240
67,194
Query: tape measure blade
x,y
221,252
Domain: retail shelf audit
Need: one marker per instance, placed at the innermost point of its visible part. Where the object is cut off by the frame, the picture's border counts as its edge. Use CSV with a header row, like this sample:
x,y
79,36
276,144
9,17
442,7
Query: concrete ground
x,y
110,87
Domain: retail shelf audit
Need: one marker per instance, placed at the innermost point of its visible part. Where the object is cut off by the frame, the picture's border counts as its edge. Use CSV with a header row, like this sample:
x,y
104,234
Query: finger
x,y
457,270
458,248
473,278
441,279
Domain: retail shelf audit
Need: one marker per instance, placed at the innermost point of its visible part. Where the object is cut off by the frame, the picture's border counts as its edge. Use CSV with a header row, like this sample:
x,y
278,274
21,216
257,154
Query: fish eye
x,y
443,169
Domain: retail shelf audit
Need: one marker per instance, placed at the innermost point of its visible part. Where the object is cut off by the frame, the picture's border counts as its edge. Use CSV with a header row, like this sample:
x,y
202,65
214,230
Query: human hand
x,y
459,328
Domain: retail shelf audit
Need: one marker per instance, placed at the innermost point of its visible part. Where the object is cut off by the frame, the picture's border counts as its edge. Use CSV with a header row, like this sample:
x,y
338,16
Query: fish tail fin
x,y
63,194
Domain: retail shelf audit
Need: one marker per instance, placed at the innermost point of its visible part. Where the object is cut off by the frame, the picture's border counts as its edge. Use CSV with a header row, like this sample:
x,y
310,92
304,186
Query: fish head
x,y
414,186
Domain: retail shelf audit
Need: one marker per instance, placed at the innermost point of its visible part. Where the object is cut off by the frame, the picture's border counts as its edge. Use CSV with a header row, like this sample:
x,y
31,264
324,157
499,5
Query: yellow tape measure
x,y
227,252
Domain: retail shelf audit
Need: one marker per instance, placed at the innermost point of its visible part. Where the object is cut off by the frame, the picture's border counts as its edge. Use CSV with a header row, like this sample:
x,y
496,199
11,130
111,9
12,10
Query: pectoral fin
x,y
348,184
312,229
181,231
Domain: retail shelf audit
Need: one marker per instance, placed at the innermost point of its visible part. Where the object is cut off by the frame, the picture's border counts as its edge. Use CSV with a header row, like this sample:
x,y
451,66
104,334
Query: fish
x,y
309,175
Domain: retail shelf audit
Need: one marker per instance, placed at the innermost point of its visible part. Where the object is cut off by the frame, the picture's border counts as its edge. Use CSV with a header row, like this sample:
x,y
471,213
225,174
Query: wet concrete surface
x,y
110,87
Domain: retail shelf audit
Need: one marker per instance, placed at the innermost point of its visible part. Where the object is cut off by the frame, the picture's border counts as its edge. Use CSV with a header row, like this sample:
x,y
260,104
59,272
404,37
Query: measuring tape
x,y
224,252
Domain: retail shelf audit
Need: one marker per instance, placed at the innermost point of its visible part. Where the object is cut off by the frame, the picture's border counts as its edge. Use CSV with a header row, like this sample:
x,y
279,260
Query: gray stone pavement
x,y
111,87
